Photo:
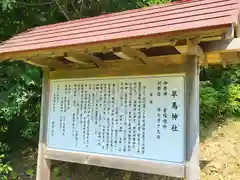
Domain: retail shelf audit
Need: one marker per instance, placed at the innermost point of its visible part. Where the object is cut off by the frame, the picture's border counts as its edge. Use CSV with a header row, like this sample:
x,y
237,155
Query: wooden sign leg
x,y
192,124
43,165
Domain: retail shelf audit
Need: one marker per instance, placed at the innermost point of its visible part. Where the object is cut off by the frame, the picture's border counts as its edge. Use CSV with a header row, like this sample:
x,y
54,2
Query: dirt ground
x,y
220,153
220,160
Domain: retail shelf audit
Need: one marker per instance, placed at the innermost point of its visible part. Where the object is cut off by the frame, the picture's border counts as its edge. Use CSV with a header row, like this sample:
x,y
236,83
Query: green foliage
x,y
6,4
233,105
4,147
218,93
20,91
29,172
20,84
5,169
209,102
13,175
151,2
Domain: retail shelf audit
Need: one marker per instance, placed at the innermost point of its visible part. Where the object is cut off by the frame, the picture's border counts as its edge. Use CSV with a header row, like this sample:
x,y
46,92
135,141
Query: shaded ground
x,y
220,160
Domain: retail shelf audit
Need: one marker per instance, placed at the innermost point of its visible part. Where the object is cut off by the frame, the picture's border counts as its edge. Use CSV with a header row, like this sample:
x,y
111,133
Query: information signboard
x,y
136,117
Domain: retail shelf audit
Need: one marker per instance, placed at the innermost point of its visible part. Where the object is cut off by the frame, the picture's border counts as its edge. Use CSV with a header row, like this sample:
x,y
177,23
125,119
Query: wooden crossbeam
x,y
75,60
189,47
99,62
90,61
229,58
84,58
165,60
221,46
118,52
130,54
37,63
52,63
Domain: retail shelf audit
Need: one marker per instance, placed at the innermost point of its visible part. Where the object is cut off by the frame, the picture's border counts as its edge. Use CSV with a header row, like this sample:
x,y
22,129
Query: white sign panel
x,y
136,117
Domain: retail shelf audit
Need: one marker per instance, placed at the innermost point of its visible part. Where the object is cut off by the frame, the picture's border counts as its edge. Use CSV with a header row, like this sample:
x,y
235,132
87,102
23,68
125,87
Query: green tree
x,y
20,83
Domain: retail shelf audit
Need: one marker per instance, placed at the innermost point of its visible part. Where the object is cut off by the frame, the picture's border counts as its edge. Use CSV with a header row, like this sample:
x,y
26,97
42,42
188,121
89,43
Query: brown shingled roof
x,y
149,21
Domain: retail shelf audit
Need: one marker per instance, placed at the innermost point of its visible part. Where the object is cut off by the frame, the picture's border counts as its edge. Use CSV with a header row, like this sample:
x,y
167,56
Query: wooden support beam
x,y
229,58
37,63
164,60
96,60
186,47
140,69
51,63
91,61
130,54
192,119
189,47
75,60
221,46
84,58
43,164
118,52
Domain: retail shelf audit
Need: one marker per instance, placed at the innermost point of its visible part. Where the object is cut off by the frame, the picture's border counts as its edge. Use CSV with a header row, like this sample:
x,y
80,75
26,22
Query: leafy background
x,y
20,83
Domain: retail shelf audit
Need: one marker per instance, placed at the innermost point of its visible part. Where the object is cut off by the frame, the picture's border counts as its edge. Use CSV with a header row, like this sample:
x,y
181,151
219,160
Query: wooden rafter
x,y
130,54
84,58
51,63
165,60
74,60
56,63
96,60
37,63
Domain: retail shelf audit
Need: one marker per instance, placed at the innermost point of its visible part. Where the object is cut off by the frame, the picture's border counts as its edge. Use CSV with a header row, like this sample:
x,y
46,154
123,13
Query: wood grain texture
x,y
192,119
113,72
131,164
222,46
43,164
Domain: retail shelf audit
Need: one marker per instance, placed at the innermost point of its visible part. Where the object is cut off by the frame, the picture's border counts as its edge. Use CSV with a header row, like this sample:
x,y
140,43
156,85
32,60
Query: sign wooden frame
x,y
189,170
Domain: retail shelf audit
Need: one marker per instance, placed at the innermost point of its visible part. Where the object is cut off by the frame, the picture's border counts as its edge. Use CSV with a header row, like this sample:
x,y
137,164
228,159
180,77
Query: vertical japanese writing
x,y
165,88
140,116
123,116
143,118
175,107
158,123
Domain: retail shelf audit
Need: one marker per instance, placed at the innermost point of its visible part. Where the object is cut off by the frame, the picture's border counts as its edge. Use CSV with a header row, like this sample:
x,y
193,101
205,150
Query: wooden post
x,y
192,124
43,165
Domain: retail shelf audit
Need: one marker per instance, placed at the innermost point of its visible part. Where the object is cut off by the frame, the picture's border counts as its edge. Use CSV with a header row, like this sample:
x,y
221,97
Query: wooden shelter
x,y
162,39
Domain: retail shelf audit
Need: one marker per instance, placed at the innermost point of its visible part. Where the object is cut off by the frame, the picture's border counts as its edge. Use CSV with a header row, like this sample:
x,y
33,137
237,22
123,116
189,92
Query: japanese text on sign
x,y
136,117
